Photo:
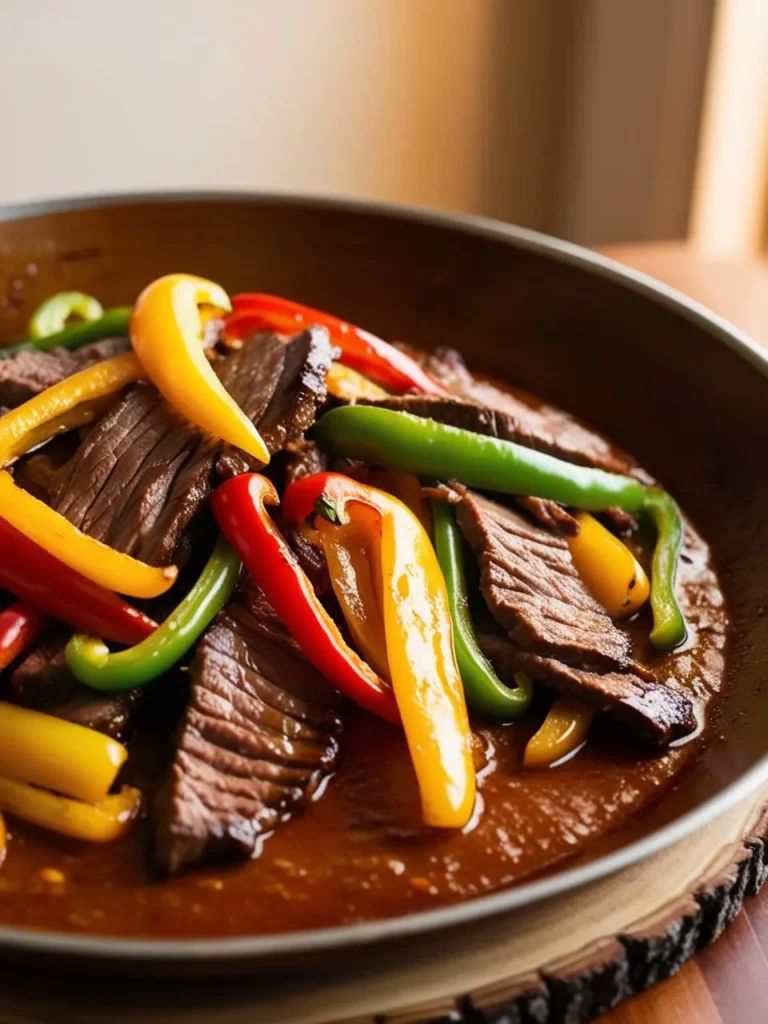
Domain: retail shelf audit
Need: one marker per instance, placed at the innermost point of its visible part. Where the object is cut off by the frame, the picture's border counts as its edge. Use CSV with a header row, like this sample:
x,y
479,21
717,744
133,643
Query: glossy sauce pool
x,y
359,852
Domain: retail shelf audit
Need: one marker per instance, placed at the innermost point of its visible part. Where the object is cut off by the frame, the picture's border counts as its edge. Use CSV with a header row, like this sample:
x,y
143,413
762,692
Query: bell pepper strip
x,y
239,506
406,487
20,625
608,568
51,316
669,626
360,350
350,386
104,822
484,691
563,732
166,334
56,754
353,553
399,440
417,626
89,659
113,324
31,573
27,425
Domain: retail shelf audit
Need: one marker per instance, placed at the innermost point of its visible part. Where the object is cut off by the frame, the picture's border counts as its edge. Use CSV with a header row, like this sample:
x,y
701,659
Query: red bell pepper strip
x,y
360,350
20,625
33,574
419,637
239,506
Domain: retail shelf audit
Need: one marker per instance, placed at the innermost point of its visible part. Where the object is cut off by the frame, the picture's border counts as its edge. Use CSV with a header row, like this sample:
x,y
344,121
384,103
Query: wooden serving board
x,y
568,959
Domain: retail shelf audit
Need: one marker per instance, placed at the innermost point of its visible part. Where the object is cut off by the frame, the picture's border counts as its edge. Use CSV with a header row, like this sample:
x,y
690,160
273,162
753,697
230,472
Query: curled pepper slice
x,y
419,638
51,316
608,568
166,334
240,509
669,626
56,754
113,324
563,732
29,424
32,573
485,692
359,349
95,823
20,625
90,661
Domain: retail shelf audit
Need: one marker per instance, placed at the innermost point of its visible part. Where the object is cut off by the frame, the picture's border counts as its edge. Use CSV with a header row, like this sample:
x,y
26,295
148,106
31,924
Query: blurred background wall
x,y
579,117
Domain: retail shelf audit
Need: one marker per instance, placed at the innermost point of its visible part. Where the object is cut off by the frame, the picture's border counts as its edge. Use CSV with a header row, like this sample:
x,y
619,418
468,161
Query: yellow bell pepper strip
x,y
113,324
90,661
104,822
239,506
406,487
669,626
40,523
419,638
353,553
51,316
608,568
166,334
349,385
563,732
30,572
56,754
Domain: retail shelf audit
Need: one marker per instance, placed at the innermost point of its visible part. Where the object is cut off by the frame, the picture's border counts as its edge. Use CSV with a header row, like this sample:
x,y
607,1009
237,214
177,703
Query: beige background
x,y
573,116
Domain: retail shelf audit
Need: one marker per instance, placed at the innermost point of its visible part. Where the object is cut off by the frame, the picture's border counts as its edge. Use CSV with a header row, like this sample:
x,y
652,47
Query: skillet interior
x,y
666,387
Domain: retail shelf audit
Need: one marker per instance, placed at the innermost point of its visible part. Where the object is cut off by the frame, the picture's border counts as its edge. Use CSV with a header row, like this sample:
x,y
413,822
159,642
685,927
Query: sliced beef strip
x,y
658,712
304,458
43,682
260,733
558,633
142,473
26,374
533,590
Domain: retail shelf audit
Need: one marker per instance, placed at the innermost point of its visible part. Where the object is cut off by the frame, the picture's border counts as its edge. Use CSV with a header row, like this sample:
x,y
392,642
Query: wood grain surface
x,y
727,983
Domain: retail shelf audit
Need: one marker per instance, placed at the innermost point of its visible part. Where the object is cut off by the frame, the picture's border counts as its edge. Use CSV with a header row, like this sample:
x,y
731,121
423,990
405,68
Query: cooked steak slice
x,y
533,590
559,634
43,682
260,733
532,423
28,373
142,473
659,712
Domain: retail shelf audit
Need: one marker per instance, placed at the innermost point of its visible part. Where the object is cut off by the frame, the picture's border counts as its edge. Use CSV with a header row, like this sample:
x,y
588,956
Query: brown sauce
x,y
360,852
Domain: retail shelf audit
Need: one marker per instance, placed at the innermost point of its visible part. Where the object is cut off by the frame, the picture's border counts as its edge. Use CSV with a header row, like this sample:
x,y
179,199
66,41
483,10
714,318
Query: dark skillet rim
x,y
266,947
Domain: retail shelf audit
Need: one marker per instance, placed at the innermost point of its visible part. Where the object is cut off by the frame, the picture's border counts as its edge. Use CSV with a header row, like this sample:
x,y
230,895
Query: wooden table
x,y
728,982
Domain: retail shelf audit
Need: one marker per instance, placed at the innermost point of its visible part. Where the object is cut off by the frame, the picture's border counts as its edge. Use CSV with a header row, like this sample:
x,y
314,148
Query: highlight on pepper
x,y
349,613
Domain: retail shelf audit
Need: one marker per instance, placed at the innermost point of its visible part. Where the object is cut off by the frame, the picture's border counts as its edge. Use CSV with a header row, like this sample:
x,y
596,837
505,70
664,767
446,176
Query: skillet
x,y
670,382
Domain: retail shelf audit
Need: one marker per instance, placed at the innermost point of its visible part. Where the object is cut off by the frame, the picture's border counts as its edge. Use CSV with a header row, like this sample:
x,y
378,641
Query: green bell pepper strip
x,y
51,316
484,691
89,659
114,324
669,627
398,440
